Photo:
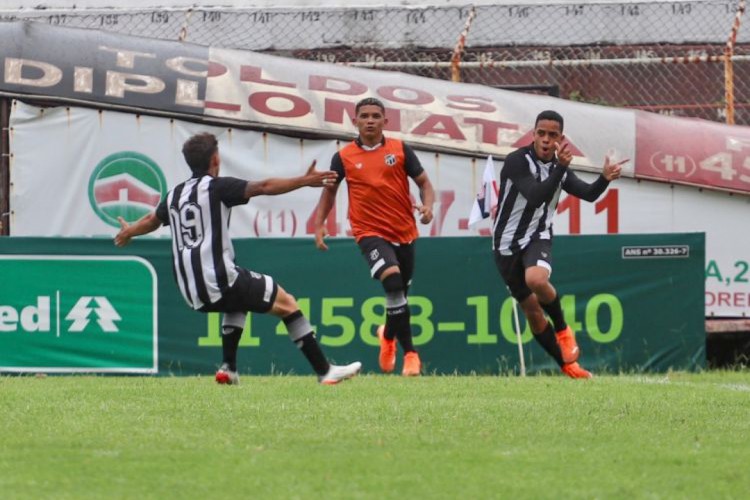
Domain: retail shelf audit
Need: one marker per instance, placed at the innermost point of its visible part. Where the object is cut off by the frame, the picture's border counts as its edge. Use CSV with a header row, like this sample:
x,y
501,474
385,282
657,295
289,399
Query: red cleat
x,y
387,358
574,370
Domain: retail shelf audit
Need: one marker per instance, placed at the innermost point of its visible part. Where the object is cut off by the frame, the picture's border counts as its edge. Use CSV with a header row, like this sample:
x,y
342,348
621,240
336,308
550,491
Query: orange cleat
x,y
574,370
387,358
412,365
568,347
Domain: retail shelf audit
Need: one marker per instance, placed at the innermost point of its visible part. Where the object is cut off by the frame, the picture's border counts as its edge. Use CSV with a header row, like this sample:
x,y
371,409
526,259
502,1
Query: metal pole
x,y
458,50
518,338
729,66
5,167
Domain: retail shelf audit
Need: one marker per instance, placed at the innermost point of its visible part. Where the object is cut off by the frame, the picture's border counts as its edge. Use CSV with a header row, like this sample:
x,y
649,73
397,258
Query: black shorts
x,y
251,291
381,254
513,267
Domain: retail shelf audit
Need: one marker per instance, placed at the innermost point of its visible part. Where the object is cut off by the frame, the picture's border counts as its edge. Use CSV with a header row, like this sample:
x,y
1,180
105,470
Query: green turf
x,y
660,436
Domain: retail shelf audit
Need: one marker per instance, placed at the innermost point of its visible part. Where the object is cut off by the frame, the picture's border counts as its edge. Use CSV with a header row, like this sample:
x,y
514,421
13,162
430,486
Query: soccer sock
x,y
397,322
230,341
397,315
555,312
303,337
311,349
548,341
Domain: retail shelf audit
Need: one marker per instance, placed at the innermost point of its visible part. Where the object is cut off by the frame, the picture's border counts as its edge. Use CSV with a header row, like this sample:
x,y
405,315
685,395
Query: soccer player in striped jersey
x,y
530,184
197,212
377,171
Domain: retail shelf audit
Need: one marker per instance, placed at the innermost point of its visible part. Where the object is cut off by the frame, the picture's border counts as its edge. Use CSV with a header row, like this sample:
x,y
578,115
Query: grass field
x,y
661,436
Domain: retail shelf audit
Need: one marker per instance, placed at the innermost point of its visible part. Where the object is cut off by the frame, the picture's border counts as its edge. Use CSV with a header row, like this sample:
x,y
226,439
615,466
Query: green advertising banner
x,y
77,313
635,302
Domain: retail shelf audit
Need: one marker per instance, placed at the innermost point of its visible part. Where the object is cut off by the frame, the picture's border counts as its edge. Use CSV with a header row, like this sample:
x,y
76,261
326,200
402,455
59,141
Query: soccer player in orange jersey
x,y
381,213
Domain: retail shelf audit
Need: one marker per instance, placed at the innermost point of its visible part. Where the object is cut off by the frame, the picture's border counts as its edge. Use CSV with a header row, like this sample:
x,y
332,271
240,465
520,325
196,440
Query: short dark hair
x,y
549,115
369,101
198,151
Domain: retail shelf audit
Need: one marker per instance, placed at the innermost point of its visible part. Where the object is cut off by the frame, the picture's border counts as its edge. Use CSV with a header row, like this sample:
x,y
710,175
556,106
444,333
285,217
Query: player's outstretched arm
x,y
146,224
281,185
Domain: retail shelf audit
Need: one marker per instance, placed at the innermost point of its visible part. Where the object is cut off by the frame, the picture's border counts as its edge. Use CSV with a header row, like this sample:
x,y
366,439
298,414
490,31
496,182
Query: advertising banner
x,y
699,152
83,313
635,301
96,166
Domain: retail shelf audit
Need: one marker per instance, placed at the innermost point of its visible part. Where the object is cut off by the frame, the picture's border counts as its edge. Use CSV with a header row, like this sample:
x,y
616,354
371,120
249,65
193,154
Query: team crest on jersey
x,y
390,159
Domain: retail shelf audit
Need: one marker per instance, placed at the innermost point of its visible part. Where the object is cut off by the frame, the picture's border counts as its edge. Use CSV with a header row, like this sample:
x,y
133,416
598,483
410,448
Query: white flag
x,y
486,200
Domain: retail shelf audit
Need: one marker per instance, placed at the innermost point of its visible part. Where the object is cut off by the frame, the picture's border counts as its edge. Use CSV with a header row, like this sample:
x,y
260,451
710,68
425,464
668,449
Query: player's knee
x,y
285,303
537,278
536,282
383,273
393,282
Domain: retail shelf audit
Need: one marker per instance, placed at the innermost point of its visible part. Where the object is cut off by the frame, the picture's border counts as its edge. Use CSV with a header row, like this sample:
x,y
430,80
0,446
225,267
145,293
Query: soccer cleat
x,y
412,365
387,358
225,376
338,373
574,370
568,347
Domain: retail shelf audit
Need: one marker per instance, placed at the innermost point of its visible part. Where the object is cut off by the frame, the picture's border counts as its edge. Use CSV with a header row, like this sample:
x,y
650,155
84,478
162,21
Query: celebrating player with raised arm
x,y
530,184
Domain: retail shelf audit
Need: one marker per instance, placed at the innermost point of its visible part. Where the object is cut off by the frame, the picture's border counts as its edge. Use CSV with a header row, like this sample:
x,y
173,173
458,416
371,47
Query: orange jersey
x,y
378,184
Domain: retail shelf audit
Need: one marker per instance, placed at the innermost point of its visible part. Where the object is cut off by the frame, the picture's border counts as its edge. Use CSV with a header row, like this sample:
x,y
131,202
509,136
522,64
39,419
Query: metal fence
x,y
678,58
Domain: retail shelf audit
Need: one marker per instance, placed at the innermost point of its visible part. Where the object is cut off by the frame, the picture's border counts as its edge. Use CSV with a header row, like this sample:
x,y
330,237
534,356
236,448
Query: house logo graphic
x,y
126,184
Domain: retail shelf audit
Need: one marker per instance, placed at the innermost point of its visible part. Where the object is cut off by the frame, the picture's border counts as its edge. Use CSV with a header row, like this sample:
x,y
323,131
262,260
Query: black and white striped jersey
x,y
529,192
197,212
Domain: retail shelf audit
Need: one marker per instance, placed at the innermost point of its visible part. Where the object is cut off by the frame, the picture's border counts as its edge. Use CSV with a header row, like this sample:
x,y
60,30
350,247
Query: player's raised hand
x,y
563,153
316,178
612,171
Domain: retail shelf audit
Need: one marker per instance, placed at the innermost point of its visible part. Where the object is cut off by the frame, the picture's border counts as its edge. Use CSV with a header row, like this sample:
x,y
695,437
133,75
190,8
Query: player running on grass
x,y
197,213
381,213
530,184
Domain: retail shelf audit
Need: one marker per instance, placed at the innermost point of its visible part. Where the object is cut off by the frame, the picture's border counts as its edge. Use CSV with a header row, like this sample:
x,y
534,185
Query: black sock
x,y
397,323
311,349
555,313
230,341
548,341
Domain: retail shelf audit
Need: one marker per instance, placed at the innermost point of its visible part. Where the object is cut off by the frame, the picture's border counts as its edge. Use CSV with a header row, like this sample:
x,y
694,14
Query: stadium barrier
x,y
83,305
